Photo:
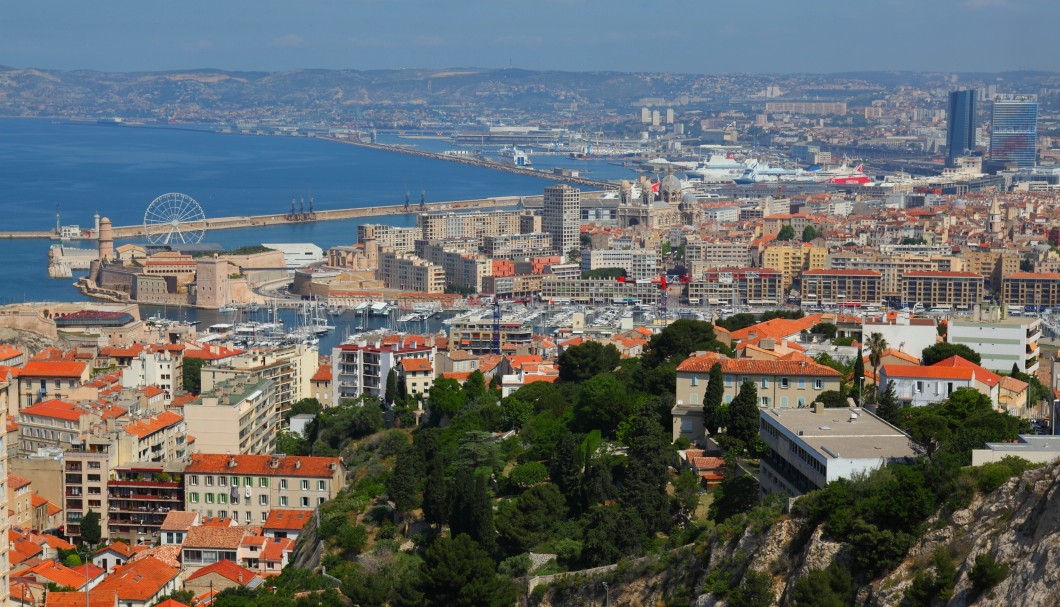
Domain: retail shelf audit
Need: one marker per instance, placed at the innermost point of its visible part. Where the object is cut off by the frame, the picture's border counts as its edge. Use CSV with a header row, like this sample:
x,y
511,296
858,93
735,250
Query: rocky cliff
x,y
1018,525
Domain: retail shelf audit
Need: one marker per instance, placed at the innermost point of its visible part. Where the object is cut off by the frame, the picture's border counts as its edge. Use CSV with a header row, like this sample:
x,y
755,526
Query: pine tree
x,y
649,457
90,529
472,509
712,400
401,486
888,406
458,573
743,414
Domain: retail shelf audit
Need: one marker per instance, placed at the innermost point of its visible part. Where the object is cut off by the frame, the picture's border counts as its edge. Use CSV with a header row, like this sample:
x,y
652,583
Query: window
x,y
322,485
802,384
283,501
784,402
320,501
305,502
222,513
263,482
818,384
263,500
765,382
305,485
209,481
784,383
193,479
695,380
222,498
283,483
247,518
222,481
728,381
765,401
235,481
93,465
209,498
193,498
264,516
919,386
248,481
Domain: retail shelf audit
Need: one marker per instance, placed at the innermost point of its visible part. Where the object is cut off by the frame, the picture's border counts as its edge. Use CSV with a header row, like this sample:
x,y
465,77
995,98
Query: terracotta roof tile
x,y
262,465
15,481
179,520
323,373
146,427
50,368
55,409
745,366
137,580
214,537
226,569
415,365
291,520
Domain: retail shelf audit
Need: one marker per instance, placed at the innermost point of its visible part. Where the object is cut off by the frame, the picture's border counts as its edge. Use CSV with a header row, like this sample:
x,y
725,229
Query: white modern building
x,y
903,333
639,264
297,254
808,448
561,217
1001,342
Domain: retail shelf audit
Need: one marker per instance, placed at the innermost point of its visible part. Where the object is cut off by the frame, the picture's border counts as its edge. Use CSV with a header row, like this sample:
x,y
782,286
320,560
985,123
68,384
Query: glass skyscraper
x,y
1014,130
960,137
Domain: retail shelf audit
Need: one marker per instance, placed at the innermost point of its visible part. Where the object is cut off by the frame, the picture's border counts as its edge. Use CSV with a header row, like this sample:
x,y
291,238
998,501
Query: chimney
x,y
297,464
816,407
232,462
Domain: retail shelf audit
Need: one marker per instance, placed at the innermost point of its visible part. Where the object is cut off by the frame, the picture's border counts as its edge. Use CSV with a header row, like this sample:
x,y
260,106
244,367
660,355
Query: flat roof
x,y
832,435
1029,442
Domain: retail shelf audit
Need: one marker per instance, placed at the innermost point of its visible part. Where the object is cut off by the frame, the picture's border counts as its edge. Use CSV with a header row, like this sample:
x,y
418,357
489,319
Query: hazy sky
x,y
625,35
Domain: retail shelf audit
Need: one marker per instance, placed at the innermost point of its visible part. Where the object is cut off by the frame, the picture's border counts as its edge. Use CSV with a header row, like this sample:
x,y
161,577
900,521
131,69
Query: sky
x,y
693,36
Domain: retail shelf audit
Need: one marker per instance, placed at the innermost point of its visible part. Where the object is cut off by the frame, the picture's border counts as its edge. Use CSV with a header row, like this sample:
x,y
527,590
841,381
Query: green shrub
x,y
528,474
987,573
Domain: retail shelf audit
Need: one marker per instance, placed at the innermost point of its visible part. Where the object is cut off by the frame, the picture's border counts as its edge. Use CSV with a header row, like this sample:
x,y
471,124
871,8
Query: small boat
x,y
227,309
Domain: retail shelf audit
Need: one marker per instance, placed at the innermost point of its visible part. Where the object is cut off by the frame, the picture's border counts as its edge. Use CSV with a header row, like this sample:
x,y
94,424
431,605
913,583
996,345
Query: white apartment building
x,y
161,368
809,448
639,264
1001,343
362,367
703,255
903,333
291,369
561,217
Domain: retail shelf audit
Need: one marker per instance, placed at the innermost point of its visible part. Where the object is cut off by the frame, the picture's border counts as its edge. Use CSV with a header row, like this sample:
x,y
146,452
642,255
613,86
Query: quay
x,y
253,221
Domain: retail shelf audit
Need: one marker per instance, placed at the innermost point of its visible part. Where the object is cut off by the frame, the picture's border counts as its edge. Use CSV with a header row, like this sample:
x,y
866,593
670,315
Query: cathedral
x,y
658,205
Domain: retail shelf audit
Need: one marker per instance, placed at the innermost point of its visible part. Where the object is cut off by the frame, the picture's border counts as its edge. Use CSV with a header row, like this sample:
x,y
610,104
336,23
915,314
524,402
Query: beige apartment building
x,y
592,291
1031,289
893,267
402,240
702,255
639,264
737,286
462,267
781,384
247,487
236,416
477,225
993,264
841,287
290,368
410,273
793,260
517,246
960,290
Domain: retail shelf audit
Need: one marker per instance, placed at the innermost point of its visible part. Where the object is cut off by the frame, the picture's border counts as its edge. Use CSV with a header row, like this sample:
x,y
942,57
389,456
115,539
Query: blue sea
x,y
79,169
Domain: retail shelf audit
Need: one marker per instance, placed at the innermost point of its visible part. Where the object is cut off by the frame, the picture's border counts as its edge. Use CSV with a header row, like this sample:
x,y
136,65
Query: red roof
x,y
138,580
226,569
1034,275
414,365
262,465
746,366
290,520
323,373
52,368
55,409
15,481
53,572
147,427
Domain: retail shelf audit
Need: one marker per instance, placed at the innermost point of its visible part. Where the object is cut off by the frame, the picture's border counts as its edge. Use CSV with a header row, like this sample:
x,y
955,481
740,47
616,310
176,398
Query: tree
x,y
475,387
735,495
402,484
678,340
435,496
603,403
524,522
877,345
472,509
810,233
574,255
445,399
605,273
944,350
888,406
612,532
584,361
832,399
72,560
831,587
391,386
648,460
458,573
743,414
756,590
90,529
713,400
191,374
859,375
516,412
987,572
786,233
827,329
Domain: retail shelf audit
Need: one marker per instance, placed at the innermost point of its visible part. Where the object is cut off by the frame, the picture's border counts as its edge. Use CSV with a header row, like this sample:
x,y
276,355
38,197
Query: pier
x,y
274,219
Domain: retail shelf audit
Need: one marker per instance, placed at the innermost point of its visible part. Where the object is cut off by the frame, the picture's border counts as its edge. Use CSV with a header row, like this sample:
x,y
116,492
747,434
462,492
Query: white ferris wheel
x,y
174,219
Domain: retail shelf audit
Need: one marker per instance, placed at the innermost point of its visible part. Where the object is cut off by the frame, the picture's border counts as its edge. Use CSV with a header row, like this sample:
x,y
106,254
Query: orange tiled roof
x,y
275,548
147,427
226,569
262,465
169,555
777,328
7,352
15,481
214,537
460,376
53,572
55,409
414,365
53,368
704,362
291,520
323,373
1012,384
138,580
77,599
179,520
119,547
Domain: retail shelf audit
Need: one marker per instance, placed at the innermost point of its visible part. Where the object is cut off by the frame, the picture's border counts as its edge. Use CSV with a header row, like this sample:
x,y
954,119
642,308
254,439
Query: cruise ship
x,y
719,169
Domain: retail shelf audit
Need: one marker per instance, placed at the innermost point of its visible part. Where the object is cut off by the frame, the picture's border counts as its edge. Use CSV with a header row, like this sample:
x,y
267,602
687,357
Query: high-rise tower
x,y
1014,130
960,134
561,217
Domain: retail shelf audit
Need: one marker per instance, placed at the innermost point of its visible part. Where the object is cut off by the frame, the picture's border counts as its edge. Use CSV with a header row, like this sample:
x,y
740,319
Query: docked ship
x,y
516,156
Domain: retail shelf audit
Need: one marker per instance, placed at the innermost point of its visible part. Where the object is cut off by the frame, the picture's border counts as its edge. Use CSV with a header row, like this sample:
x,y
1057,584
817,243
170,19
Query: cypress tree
x,y
859,374
712,400
435,496
743,414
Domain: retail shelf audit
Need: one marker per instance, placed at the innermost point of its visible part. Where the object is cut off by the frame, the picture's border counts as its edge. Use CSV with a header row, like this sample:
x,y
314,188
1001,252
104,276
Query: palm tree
x,y
876,345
